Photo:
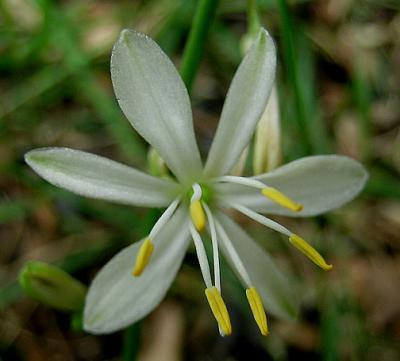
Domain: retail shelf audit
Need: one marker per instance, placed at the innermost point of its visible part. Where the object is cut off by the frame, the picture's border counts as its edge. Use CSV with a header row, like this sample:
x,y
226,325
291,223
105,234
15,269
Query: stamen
x,y
245,181
281,199
219,309
309,251
214,241
143,257
294,239
196,209
258,310
201,255
237,262
146,249
271,193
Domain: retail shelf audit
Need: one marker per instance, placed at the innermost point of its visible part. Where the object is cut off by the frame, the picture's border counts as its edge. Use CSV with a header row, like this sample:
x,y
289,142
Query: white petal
x,y
96,177
319,183
273,286
117,299
246,100
154,99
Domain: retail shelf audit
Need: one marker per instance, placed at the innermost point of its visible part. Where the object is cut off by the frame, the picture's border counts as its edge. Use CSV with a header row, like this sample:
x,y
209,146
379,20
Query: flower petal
x,y
117,299
273,286
246,100
319,183
153,97
96,177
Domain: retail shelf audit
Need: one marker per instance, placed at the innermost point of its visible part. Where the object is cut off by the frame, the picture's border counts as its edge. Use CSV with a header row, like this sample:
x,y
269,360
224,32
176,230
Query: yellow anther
x,y
258,310
281,199
219,310
143,257
309,251
197,214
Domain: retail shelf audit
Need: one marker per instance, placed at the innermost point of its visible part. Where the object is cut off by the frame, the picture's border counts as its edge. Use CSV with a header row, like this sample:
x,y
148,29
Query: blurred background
x,y
338,85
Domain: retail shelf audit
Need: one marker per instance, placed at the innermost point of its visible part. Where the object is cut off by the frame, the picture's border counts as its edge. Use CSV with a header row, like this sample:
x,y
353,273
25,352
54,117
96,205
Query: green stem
x,y
362,96
194,48
253,20
293,75
131,342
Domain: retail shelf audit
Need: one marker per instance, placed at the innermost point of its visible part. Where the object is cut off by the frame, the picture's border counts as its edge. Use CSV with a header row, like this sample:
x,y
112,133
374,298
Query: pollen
x,y
258,310
219,310
197,215
281,199
143,257
309,251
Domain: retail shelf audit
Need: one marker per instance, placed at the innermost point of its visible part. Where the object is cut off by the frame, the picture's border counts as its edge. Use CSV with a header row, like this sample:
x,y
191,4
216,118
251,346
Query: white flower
x,y
155,101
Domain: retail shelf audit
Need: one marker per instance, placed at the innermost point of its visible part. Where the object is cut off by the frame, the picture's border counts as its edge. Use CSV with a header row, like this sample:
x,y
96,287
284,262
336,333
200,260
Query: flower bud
x,y
52,286
267,141
245,44
238,169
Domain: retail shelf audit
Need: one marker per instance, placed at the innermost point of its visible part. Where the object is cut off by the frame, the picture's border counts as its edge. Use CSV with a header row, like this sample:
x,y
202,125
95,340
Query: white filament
x,y
250,182
165,217
214,241
262,219
197,193
237,262
201,255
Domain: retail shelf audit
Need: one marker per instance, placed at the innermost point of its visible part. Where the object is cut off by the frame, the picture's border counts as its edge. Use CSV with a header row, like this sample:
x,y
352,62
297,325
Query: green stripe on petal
x,y
117,299
153,97
319,183
93,176
246,100
274,288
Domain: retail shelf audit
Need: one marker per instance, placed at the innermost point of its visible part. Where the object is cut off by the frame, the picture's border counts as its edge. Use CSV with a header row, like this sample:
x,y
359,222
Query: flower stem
x,y
195,43
361,91
131,342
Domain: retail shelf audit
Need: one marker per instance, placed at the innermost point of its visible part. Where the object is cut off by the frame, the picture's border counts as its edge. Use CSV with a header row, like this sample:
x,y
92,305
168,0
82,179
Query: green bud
x,y
246,41
157,166
52,286
76,322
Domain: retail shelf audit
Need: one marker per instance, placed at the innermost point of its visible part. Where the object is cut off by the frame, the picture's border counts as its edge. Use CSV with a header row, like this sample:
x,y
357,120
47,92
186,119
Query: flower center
x,y
199,197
